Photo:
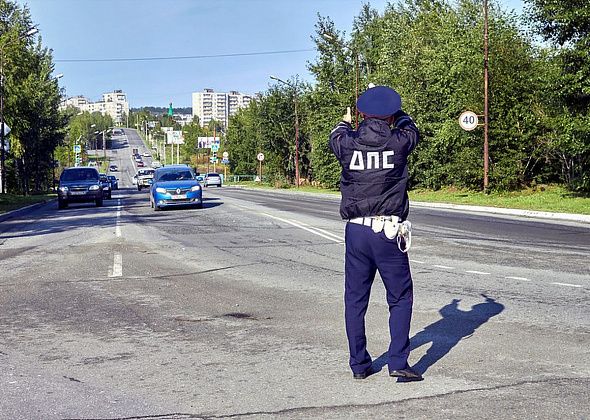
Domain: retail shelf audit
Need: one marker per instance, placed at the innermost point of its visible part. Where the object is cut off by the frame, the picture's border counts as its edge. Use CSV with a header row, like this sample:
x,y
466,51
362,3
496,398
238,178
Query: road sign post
x,y
225,162
260,158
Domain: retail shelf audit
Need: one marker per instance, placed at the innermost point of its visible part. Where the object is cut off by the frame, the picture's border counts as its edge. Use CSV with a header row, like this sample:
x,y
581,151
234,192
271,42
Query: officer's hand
x,y
348,116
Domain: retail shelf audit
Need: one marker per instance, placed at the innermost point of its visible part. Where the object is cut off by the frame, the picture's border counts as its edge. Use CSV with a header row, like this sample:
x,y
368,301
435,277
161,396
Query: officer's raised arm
x,y
340,131
408,129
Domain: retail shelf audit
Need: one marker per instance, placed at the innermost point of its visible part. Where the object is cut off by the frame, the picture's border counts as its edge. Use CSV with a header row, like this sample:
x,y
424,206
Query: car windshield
x,y
82,174
177,175
145,172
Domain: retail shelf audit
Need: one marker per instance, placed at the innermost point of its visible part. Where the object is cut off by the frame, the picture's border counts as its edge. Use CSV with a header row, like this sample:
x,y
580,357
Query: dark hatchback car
x,y
79,185
106,186
114,182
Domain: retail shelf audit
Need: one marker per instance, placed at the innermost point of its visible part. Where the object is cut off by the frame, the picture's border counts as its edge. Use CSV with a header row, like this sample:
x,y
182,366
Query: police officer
x,y
373,184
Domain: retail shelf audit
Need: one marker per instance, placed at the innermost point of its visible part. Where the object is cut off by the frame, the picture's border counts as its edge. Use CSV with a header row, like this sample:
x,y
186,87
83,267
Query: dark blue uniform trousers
x,y
367,252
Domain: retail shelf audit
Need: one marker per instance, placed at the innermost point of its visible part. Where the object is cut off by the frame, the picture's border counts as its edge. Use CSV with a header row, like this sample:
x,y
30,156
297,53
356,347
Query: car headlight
x,y
195,188
63,189
94,187
161,190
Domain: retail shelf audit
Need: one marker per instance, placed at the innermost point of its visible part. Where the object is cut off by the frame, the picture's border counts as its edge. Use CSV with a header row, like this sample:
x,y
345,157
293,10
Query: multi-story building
x,y
219,106
113,103
75,101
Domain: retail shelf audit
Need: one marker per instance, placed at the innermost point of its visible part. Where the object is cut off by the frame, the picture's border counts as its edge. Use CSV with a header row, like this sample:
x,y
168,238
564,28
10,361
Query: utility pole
x,y
485,93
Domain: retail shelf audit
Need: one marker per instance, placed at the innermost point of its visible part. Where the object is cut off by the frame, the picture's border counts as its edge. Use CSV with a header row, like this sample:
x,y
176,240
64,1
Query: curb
x,y
572,217
23,210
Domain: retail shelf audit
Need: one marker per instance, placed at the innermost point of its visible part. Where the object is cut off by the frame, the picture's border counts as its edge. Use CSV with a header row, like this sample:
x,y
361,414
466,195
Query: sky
x,y
113,29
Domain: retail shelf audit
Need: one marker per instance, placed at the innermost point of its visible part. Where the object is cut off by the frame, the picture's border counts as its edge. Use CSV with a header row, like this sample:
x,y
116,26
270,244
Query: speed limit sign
x,y
468,120
260,157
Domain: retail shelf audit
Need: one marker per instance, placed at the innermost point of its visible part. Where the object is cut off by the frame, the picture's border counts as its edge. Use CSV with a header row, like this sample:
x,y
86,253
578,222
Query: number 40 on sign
x,y
468,120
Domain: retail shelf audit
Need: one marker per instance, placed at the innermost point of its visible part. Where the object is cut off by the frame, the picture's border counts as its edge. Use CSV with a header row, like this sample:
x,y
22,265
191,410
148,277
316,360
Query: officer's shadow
x,y
444,334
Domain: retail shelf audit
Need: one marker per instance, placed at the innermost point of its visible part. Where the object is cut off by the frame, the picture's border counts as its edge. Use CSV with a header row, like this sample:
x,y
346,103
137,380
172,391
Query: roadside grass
x,y
10,202
550,198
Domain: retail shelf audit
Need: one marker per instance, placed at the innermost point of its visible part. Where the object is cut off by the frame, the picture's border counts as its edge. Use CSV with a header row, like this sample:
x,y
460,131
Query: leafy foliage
x,y
431,52
31,102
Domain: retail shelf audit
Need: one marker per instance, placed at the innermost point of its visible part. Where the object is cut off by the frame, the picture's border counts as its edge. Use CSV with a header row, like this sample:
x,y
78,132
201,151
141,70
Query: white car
x,y
146,154
156,164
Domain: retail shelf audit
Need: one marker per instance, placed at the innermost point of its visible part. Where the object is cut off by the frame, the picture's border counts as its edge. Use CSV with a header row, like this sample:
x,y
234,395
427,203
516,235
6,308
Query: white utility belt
x,y
392,227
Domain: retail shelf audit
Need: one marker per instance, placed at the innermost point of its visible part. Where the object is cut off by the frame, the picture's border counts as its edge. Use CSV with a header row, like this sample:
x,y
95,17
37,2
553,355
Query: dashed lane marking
x,y
483,273
117,270
565,284
444,266
518,278
117,223
417,262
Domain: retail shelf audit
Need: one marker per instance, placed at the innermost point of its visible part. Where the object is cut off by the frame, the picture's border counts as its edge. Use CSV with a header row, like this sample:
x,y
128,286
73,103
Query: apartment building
x,y
113,103
219,106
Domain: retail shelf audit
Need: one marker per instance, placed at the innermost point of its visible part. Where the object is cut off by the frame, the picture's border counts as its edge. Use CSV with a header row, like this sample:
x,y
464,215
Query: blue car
x,y
175,186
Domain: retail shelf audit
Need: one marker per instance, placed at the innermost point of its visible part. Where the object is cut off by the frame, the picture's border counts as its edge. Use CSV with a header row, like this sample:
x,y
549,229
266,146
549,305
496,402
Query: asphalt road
x,y
235,311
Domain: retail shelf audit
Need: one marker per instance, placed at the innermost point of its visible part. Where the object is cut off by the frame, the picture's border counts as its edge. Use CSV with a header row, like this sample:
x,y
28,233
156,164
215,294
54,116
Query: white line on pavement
x,y
117,270
444,266
566,284
325,232
518,278
477,272
417,262
303,227
117,225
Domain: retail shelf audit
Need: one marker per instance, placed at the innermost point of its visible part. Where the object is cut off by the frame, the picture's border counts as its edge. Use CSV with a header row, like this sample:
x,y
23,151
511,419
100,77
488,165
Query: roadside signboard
x,y
225,161
468,120
6,129
174,137
225,155
214,147
260,157
206,142
77,148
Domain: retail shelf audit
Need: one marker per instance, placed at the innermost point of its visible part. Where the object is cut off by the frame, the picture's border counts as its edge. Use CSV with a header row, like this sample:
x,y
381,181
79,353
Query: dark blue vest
x,y
374,162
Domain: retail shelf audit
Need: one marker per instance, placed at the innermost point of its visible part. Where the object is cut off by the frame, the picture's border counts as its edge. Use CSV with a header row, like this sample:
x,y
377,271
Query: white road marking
x,y
566,284
444,266
330,238
325,232
477,272
117,225
417,262
518,278
117,270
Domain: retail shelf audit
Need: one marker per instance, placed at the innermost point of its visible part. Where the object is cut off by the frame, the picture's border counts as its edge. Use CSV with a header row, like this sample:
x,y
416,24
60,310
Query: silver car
x,y
212,179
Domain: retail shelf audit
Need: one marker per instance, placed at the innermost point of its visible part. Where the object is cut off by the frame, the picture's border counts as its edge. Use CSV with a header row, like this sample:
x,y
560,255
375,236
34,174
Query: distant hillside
x,y
159,110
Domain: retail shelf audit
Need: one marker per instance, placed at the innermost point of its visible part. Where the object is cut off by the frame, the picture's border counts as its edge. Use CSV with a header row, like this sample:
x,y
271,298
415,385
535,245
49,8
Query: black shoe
x,y
363,375
406,374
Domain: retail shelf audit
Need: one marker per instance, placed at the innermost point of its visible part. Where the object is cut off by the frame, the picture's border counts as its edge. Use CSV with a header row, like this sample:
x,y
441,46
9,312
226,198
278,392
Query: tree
x,y
566,25
31,101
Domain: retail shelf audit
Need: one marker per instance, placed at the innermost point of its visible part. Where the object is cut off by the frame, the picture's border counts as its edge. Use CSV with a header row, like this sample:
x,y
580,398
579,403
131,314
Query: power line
x,y
187,57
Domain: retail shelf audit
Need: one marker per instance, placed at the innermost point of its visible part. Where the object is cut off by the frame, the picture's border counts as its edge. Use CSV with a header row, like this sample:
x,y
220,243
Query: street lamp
x,y
27,34
330,38
296,127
